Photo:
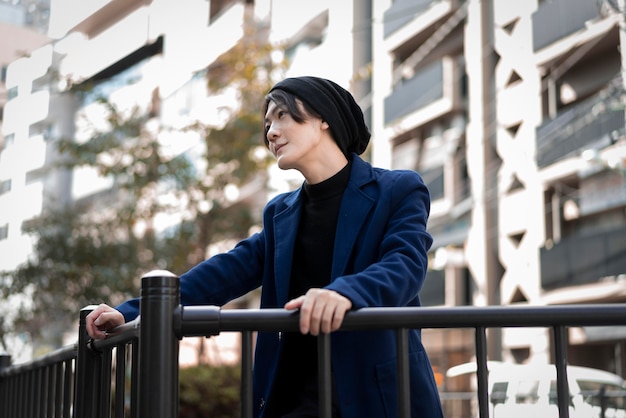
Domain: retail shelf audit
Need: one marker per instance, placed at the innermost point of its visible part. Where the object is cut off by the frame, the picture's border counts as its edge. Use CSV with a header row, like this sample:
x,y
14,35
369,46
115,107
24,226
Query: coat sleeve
x,y
389,260
218,279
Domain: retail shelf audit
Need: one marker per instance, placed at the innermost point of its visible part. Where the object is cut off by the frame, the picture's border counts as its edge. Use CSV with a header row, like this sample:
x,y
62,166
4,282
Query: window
x,y
600,393
12,93
527,391
4,232
498,392
5,186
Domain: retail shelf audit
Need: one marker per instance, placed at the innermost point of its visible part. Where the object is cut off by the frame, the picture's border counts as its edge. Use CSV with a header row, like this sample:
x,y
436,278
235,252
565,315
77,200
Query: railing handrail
x,y
204,320
61,354
155,346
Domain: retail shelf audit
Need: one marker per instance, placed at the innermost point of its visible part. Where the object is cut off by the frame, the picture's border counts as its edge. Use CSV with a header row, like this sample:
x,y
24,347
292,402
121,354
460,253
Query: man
x,y
351,236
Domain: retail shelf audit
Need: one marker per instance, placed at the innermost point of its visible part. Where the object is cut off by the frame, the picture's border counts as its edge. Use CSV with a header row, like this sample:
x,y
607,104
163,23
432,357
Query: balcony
x,y
589,124
429,94
433,292
583,258
402,12
556,19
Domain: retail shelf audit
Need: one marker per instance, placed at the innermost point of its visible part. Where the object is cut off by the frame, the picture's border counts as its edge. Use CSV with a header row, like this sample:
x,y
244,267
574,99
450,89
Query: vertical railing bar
x,y
19,395
20,389
14,385
134,378
15,409
21,404
8,399
43,391
24,411
34,398
88,367
482,372
5,361
246,374
104,395
120,380
12,410
4,394
58,394
41,401
324,375
13,399
29,397
402,348
12,396
68,388
560,355
50,391
17,398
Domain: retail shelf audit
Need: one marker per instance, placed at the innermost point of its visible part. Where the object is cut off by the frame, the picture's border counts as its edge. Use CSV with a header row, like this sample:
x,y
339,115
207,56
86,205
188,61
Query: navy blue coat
x,y
380,259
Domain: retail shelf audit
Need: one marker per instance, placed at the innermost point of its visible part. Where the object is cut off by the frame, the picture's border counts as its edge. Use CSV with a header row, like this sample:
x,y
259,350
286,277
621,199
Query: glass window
x,y
527,391
498,392
598,393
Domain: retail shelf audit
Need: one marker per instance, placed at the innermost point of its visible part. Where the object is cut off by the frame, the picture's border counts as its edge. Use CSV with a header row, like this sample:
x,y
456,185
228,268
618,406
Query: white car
x,y
517,390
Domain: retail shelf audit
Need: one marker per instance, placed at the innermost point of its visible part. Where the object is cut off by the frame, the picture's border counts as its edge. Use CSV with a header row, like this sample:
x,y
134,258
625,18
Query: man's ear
x,y
325,124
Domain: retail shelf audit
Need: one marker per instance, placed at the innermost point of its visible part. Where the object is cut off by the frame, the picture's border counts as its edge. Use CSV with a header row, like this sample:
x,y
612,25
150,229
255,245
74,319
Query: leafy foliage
x,y
210,392
96,249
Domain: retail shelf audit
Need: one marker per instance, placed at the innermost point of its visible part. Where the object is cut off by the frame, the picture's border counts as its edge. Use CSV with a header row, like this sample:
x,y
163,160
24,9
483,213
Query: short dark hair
x,y
288,102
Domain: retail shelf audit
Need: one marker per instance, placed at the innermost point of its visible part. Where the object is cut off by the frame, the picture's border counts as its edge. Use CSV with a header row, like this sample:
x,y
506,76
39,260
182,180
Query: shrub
x,y
207,391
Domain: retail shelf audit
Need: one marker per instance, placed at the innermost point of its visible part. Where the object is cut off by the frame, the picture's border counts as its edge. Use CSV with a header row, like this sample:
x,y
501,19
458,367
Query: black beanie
x,y
336,106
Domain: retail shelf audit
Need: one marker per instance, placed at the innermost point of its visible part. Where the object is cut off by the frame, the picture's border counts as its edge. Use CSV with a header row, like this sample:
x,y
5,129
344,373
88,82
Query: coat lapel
x,y
285,230
355,206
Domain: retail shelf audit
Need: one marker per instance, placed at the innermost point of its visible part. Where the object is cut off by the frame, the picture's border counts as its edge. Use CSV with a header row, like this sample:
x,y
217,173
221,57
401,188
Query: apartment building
x,y
17,43
153,55
514,114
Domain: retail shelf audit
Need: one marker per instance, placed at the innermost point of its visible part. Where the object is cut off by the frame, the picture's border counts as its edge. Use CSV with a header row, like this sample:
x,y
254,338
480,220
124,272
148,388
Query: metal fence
x,y
135,371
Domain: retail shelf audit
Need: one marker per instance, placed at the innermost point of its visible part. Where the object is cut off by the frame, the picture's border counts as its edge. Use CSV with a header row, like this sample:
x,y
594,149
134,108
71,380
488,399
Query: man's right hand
x,y
101,320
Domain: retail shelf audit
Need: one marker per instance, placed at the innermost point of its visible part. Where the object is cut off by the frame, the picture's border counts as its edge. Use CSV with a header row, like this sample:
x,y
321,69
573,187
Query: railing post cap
x,y
158,273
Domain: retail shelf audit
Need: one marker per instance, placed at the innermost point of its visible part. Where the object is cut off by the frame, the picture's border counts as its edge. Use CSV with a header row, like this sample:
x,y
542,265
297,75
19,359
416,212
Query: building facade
x,y
513,113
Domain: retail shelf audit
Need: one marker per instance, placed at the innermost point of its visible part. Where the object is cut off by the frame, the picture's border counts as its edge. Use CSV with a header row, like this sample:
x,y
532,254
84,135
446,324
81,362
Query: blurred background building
x,y
513,112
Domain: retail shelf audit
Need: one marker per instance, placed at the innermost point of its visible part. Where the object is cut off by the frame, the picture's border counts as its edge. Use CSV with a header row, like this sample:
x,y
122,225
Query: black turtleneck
x,y
313,249
296,383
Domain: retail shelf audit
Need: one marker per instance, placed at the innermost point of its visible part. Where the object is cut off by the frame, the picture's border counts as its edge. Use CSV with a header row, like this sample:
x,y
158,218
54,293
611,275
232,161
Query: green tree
x,y
97,248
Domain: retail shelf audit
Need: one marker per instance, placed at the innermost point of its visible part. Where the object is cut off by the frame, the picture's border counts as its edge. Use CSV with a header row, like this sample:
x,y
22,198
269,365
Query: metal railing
x,y
135,371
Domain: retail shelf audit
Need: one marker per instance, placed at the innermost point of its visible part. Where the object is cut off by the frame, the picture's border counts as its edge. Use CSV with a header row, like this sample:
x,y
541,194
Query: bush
x,y
207,391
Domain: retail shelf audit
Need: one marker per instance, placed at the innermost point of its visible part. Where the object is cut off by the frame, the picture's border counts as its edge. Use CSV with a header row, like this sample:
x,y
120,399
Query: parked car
x,y
517,390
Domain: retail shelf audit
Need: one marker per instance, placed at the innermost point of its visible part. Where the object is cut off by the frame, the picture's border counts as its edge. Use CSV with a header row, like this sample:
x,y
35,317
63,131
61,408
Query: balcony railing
x,y
556,19
425,87
85,372
583,258
592,123
402,12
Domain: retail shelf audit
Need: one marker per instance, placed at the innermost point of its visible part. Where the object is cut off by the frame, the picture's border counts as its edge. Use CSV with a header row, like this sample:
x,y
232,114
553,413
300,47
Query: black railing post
x,y
5,399
482,372
158,346
246,374
88,369
560,361
325,376
404,384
